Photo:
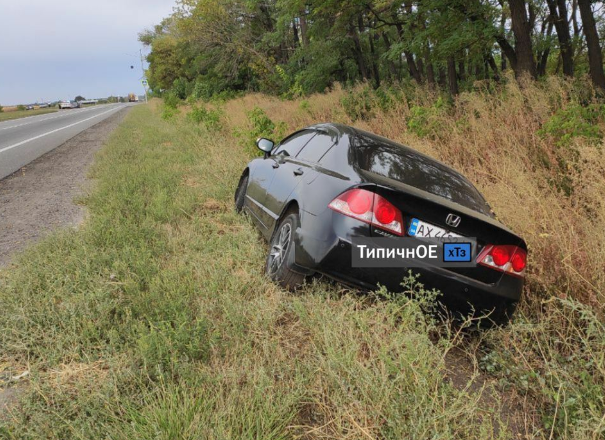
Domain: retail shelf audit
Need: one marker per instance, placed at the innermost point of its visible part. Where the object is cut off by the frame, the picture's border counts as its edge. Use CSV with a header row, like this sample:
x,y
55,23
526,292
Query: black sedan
x,y
322,187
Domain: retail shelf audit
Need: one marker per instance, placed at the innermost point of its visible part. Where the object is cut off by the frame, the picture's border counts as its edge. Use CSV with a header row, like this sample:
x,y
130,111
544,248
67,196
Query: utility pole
x,y
143,73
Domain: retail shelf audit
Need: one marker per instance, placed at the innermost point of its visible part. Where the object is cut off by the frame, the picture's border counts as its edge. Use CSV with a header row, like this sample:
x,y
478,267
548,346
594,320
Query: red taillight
x,y
360,201
500,255
505,258
385,212
369,208
519,261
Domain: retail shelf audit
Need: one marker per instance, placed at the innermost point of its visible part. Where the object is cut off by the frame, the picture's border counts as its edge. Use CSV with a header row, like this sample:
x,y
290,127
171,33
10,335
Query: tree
x,y
558,12
595,57
521,26
80,98
289,47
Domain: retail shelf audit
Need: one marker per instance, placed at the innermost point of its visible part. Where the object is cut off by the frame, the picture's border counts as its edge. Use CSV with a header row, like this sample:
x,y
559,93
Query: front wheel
x,y
281,255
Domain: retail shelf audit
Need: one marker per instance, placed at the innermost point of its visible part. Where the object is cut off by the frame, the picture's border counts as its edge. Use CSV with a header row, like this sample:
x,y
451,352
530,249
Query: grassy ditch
x,y
154,319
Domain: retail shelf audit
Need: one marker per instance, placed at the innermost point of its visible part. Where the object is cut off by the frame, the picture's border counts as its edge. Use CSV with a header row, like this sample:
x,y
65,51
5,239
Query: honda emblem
x,y
453,220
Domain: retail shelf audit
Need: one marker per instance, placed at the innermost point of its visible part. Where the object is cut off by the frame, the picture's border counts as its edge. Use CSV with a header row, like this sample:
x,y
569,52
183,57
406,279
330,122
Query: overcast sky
x,y
58,49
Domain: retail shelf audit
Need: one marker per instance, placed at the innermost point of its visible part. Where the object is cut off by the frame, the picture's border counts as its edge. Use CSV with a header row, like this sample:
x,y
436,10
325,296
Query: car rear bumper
x,y
330,253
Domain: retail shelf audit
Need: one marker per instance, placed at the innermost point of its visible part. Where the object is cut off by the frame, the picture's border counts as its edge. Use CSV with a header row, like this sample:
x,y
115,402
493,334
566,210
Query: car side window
x,y
315,150
293,144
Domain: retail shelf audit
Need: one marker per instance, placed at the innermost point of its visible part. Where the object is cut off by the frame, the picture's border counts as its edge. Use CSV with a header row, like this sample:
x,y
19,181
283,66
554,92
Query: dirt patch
x,y
515,411
8,398
40,196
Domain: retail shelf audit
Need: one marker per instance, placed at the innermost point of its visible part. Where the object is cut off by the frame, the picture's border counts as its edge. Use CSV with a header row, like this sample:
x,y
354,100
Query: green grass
x,y
18,114
154,320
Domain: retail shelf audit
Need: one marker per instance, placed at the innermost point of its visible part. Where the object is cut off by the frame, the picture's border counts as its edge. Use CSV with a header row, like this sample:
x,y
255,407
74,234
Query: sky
x,y
57,49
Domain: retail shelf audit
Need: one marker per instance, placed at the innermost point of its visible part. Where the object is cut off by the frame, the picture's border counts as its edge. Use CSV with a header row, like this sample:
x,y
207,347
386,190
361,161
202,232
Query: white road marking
x,y
61,115
54,131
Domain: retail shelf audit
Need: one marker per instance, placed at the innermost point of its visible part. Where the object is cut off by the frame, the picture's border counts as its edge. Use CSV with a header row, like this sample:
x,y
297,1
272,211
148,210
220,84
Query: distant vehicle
x,y
68,104
29,107
133,98
44,105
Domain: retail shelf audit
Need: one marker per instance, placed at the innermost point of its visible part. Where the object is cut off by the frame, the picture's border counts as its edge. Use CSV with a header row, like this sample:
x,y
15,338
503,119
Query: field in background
x,y
154,319
7,115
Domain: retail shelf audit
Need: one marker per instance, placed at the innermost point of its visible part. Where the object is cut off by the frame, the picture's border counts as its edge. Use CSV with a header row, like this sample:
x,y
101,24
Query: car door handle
x,y
275,165
298,172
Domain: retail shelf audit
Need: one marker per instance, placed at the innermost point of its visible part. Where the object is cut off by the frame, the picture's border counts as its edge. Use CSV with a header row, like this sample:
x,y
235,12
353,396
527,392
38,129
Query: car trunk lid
x,y
415,203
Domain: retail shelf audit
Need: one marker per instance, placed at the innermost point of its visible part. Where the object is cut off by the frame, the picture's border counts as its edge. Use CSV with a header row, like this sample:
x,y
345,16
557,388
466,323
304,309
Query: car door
x,y
275,168
297,170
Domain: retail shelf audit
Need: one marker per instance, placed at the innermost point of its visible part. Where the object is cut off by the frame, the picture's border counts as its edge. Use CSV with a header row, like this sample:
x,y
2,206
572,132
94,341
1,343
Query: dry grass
x,y
493,139
550,193
154,319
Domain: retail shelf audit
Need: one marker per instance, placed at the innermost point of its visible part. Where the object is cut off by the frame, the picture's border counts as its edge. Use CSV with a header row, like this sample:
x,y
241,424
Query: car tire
x,y
240,193
281,254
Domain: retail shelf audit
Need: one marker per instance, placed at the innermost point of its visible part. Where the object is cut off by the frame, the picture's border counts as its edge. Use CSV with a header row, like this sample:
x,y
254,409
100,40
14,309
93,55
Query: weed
x,y
359,104
424,121
210,119
171,100
575,121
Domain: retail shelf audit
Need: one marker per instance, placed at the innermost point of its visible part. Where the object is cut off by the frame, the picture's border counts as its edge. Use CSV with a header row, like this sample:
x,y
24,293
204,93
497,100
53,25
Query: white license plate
x,y
418,228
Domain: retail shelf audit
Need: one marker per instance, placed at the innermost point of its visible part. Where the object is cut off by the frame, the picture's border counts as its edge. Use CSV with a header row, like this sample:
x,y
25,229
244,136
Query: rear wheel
x,y
281,254
240,193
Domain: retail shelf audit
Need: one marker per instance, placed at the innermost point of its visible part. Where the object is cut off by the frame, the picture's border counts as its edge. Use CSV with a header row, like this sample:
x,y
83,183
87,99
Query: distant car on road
x,y
29,107
68,104
44,105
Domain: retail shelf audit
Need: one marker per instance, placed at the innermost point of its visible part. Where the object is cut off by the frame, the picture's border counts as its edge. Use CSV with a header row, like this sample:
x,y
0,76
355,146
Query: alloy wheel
x,y
279,248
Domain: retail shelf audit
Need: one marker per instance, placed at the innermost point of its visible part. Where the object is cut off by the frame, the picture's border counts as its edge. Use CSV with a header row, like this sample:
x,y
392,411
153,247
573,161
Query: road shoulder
x,y
39,198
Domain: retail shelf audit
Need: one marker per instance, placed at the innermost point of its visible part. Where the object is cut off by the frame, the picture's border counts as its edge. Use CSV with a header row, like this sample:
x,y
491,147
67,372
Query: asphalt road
x,y
26,139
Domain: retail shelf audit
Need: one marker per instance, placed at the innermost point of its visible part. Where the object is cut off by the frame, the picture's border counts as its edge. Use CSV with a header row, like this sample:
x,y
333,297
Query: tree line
x,y
303,46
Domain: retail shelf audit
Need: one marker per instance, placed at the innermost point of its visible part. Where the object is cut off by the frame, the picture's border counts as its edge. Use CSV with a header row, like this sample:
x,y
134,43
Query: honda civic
x,y
312,194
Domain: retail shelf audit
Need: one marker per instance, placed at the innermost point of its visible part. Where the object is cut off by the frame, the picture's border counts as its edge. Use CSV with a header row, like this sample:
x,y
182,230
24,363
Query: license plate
x,y
418,228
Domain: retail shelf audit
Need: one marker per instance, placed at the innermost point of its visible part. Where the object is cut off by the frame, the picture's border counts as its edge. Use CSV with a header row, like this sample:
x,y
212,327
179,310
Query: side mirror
x,y
265,145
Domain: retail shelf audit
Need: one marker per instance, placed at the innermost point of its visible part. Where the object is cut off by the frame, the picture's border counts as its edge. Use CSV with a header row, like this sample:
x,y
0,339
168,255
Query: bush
x,y
225,95
211,119
1,109
261,126
423,121
21,107
171,100
575,121
181,88
201,90
359,104
169,112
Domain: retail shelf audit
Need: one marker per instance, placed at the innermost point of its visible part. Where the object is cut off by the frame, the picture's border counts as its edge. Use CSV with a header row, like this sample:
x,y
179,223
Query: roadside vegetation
x,y
18,114
291,48
154,319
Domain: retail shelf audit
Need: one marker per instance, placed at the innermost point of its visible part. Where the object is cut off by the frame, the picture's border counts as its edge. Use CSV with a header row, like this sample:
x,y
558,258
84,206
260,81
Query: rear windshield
x,y
405,165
